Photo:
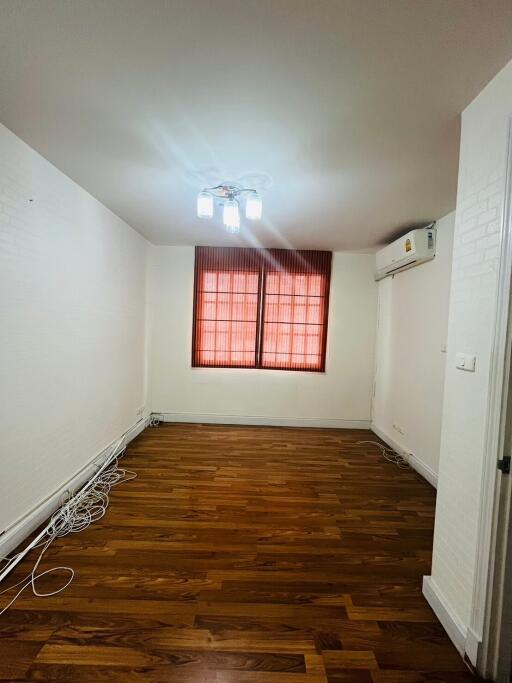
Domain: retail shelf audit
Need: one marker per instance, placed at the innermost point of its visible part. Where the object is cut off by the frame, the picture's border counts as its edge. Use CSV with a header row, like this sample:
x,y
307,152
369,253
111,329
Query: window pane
x,y
210,281
226,318
294,321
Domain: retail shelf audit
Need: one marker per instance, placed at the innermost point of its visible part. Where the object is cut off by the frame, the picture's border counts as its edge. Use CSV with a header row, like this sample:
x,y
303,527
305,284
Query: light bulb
x,y
253,207
204,205
231,215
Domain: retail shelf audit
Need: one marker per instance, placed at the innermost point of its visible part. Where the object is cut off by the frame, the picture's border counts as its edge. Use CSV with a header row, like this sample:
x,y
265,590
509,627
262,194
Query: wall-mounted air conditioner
x,y
416,247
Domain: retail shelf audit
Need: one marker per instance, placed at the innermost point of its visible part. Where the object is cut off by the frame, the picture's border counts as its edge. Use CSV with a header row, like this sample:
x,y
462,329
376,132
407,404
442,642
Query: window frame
x,y
262,256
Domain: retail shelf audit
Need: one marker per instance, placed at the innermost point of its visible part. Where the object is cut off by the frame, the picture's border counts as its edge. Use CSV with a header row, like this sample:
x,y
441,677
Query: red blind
x,y
233,286
296,298
227,296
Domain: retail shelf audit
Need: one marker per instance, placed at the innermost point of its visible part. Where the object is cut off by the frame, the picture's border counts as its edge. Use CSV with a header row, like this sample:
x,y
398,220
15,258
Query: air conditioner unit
x,y
416,247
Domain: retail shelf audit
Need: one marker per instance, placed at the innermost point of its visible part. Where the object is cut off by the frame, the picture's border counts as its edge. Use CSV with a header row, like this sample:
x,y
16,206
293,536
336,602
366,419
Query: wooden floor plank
x,y
243,555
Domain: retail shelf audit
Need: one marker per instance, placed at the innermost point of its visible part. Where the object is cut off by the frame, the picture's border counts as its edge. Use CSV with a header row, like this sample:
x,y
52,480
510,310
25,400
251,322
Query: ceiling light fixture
x,y
204,205
231,215
229,197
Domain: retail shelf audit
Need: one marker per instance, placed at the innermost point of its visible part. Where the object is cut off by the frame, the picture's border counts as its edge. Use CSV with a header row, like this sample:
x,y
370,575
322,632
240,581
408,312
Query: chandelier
x,y
230,197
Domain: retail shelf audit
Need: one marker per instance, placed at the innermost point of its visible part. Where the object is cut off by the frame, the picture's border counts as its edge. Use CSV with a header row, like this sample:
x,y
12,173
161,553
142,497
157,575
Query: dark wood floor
x,y
243,554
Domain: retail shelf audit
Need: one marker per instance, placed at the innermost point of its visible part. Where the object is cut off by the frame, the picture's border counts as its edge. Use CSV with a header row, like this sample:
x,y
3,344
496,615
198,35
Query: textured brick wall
x,y
471,322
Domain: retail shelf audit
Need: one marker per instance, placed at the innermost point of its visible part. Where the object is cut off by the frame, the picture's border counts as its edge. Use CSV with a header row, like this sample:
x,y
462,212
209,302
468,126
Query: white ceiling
x,y
344,112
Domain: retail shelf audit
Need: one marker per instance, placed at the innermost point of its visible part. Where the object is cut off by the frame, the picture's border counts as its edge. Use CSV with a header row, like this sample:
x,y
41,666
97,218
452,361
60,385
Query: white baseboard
x,y
445,613
425,471
19,531
473,645
213,418
420,467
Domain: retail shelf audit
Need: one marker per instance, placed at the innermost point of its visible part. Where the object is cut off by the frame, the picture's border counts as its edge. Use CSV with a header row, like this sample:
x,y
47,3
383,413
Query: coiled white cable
x,y
389,454
84,508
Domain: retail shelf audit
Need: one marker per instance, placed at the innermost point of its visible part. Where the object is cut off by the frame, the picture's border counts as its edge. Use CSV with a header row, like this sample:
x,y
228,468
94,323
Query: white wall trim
x,y
22,528
420,467
473,644
445,613
214,418
423,469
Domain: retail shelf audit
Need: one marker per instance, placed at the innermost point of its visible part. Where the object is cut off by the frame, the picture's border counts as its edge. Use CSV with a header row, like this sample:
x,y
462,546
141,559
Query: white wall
x,y
410,362
470,329
72,318
340,396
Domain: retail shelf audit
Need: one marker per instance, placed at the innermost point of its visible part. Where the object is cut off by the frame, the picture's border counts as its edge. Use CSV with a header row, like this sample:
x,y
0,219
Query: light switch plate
x,y
465,361
470,362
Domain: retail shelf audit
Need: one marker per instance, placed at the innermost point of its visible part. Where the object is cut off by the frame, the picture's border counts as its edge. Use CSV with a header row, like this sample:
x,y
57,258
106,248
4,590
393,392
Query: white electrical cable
x,y
84,508
389,454
36,542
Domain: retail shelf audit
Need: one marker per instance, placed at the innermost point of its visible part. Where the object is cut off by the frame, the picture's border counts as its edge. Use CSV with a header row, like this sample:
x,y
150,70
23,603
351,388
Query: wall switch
x,y
460,361
470,362
465,361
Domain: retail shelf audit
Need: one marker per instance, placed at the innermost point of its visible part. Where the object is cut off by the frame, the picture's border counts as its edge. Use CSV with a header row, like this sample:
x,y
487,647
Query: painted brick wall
x,y
72,323
470,329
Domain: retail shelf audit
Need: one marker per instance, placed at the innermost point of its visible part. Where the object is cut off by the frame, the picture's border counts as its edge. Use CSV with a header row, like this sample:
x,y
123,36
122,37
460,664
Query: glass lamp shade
x,y
204,205
253,207
231,215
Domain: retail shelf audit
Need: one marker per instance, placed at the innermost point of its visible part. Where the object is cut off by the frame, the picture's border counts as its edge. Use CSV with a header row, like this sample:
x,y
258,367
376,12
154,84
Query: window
x,y
227,307
257,308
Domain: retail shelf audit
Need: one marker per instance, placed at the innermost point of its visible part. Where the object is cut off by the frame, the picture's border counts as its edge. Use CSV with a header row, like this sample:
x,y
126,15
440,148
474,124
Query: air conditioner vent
x,y
417,246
